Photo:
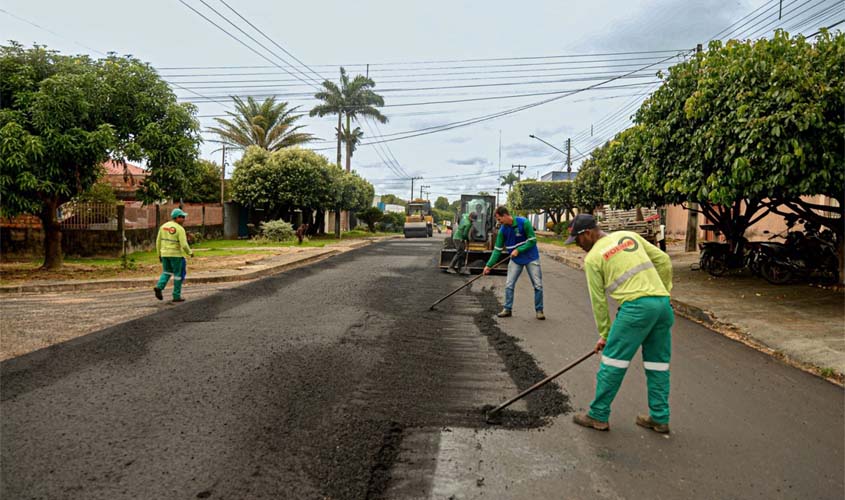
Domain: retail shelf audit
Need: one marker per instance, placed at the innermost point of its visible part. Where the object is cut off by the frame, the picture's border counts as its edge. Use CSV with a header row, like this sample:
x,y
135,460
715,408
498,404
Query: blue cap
x,y
177,212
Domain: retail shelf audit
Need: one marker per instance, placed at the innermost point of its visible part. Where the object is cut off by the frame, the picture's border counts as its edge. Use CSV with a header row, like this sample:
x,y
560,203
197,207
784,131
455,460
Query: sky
x,y
464,83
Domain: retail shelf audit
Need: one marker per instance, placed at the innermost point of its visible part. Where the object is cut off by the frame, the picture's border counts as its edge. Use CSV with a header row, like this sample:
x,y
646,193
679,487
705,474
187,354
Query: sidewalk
x,y
247,271
800,324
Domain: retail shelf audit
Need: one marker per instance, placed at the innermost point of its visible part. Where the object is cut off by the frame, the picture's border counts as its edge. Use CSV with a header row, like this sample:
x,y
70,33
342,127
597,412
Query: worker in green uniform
x,y
172,247
639,277
460,238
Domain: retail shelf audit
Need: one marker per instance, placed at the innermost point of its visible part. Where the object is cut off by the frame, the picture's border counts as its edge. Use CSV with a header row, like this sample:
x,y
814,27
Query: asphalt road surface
x,y
335,381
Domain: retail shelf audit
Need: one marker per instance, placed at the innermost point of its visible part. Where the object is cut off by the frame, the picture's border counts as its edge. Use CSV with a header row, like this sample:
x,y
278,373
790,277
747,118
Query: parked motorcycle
x,y
807,255
718,258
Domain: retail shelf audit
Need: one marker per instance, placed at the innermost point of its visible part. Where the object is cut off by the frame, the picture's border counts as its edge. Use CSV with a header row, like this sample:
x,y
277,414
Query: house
x,y
124,182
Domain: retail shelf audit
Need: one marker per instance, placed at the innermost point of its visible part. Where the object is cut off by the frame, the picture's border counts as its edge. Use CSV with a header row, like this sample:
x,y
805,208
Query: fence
x,y
98,228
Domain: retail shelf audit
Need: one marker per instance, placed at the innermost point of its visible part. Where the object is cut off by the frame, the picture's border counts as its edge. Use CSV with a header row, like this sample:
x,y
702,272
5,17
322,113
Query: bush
x,y
277,230
561,228
371,216
392,222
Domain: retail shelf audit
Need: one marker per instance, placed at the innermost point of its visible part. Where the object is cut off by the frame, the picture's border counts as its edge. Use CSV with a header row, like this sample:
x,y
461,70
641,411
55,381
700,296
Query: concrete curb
x,y
729,330
69,286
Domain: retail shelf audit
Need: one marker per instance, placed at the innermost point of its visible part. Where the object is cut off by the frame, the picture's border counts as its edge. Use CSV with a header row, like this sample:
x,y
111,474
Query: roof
x,y
559,175
116,168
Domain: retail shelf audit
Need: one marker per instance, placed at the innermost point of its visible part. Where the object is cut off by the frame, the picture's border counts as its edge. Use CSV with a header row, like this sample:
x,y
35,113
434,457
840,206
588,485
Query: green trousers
x,y
171,266
645,322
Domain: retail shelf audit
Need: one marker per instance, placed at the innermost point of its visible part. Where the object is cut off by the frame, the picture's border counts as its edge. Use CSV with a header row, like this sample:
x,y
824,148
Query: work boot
x,y
648,423
451,270
540,315
464,271
159,296
179,299
588,421
504,313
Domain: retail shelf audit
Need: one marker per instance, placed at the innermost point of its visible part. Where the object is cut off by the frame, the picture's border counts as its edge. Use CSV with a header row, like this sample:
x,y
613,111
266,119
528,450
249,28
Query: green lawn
x,y
554,240
314,241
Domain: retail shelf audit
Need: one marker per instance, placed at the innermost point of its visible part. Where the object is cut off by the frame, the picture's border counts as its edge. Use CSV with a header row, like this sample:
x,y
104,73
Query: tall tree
x,y
545,197
509,180
351,138
350,98
441,203
269,125
62,116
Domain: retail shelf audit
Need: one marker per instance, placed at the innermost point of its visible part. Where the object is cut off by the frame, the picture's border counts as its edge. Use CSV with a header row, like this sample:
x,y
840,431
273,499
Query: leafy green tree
x,y
587,187
509,180
371,216
748,126
441,203
62,116
392,199
483,193
351,98
282,181
442,215
100,192
205,187
624,171
553,198
269,125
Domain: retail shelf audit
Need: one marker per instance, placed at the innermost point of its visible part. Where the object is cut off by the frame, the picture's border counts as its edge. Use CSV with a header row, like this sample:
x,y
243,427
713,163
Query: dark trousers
x,y
460,255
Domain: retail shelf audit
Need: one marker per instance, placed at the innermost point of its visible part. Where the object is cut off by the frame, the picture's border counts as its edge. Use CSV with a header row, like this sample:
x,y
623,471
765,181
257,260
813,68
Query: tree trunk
x,y
841,251
348,146
339,116
337,223
52,235
320,222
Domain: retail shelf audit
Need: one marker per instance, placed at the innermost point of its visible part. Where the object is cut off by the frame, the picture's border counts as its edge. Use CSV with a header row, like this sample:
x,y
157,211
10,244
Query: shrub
x,y
277,230
392,222
371,216
561,228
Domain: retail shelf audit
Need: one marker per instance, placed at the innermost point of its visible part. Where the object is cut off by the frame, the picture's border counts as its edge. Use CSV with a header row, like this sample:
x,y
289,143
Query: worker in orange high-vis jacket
x,y
639,277
172,248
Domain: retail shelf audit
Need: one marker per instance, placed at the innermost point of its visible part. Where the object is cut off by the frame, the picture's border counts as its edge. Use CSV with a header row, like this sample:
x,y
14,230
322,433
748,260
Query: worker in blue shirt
x,y
516,236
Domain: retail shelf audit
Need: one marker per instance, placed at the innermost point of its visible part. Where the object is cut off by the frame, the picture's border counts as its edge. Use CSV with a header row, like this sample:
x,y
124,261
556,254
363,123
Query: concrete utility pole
x,y
498,190
691,239
519,170
412,187
421,189
569,155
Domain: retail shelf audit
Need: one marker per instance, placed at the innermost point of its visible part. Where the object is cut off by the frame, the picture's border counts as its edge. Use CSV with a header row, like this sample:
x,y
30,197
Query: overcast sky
x,y
414,50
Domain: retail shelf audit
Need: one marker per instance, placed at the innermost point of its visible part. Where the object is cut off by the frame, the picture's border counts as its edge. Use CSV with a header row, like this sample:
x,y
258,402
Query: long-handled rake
x,y
468,283
491,414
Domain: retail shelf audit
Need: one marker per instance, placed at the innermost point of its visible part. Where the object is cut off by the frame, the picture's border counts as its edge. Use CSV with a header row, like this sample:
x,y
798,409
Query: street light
x,y
568,155
546,143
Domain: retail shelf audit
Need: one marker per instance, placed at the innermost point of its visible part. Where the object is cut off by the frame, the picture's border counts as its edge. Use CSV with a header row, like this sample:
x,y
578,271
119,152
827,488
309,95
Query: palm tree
x,y
352,98
268,125
509,180
351,139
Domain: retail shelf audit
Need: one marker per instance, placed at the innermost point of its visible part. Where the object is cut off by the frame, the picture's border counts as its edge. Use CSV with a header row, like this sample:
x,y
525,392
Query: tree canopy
x,y
296,179
62,116
269,125
545,197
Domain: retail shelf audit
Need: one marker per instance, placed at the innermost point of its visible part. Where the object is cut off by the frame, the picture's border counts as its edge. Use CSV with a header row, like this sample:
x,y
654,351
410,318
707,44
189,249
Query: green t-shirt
x,y
462,232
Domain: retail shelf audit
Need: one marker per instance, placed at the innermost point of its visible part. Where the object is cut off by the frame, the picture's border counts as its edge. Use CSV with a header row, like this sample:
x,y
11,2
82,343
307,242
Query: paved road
x,y
334,381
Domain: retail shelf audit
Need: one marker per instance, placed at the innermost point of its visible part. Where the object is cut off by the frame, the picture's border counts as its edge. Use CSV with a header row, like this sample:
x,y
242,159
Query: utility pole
x,y
498,190
412,186
691,240
569,156
421,189
519,170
